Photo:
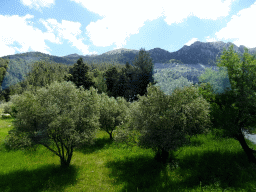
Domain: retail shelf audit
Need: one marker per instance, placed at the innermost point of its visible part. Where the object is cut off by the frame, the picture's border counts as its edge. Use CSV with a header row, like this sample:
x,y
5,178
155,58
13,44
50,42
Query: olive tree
x,y
113,113
166,121
59,117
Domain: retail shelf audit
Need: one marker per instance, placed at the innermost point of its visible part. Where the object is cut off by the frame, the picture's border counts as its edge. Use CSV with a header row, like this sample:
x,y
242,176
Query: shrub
x,y
17,140
113,113
6,116
9,108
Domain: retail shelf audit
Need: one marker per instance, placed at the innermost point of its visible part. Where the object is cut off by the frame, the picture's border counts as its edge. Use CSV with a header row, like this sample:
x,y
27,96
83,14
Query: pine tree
x,y
111,76
144,73
80,76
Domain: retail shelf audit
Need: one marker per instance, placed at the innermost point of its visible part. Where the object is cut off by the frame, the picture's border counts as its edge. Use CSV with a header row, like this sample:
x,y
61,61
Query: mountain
x,y
205,53
72,55
31,57
198,52
160,55
121,51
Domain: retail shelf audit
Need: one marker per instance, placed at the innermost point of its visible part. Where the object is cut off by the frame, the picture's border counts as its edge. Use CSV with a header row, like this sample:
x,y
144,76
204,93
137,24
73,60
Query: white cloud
x,y
191,41
240,28
21,31
67,30
37,4
177,11
208,39
20,35
120,20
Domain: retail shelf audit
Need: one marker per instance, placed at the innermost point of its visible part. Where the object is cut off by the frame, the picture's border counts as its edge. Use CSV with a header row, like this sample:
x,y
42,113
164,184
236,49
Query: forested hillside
x,y
197,53
3,68
111,77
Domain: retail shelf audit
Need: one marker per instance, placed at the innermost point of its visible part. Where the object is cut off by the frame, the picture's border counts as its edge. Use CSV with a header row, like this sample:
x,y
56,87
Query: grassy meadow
x,y
208,164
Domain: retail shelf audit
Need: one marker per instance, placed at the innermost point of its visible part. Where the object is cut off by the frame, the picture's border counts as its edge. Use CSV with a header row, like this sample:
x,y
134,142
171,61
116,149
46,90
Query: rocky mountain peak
x,y
72,55
119,51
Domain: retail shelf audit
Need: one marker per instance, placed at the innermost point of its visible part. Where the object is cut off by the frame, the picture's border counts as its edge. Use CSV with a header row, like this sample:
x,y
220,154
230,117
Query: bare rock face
x,y
72,55
120,51
206,53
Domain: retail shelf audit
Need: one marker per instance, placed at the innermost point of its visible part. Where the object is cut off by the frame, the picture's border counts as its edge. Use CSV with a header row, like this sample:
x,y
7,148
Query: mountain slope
x,y
205,53
198,52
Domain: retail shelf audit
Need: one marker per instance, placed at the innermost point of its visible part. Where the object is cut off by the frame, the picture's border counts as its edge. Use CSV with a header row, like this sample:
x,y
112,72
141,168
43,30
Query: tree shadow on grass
x,y
99,144
47,177
137,173
226,170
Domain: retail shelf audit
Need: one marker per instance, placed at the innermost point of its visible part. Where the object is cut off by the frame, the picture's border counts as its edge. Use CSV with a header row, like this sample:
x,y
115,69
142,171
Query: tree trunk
x,y
110,135
70,156
63,162
162,156
249,152
66,162
165,156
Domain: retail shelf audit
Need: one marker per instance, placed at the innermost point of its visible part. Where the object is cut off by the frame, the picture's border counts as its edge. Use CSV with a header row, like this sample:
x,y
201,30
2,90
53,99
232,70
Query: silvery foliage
x,y
125,133
7,108
113,113
60,113
164,121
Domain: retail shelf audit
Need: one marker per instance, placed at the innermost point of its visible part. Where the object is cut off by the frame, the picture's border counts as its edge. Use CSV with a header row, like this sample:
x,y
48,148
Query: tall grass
x,y
208,164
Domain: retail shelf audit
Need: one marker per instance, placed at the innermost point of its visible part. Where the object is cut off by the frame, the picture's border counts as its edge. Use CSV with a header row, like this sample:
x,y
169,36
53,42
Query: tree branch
x,y
50,149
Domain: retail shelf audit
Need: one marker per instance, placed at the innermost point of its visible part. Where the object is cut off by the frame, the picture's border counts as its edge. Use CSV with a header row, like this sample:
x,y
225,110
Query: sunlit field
x,y
208,164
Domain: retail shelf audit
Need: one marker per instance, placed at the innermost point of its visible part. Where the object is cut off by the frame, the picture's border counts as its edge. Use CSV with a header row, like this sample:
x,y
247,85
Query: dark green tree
x,y
100,83
3,68
127,65
143,73
80,75
120,86
133,79
125,82
111,76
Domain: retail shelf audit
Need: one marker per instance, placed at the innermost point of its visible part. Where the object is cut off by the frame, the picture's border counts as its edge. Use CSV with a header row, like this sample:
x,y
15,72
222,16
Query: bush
x,y
6,116
17,140
126,133
113,113
123,134
9,108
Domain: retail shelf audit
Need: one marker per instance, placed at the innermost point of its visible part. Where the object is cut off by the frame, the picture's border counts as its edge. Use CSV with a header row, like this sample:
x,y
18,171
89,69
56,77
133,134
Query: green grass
x,y
207,165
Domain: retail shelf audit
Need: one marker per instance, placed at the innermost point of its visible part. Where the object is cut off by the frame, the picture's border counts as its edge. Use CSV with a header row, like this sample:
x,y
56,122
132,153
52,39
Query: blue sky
x,y
62,27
